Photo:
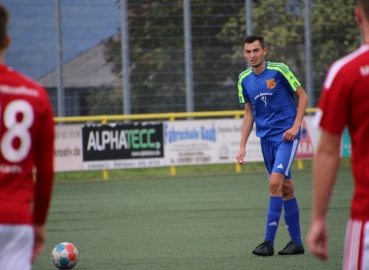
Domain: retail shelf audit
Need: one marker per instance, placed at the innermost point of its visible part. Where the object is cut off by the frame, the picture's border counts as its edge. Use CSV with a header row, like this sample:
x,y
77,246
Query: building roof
x,y
89,69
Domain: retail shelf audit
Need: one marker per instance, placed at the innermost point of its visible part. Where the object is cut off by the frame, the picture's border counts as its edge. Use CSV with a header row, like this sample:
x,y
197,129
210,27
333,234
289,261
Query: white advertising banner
x,y
308,139
68,148
190,142
229,136
206,142
122,164
218,141
314,132
186,142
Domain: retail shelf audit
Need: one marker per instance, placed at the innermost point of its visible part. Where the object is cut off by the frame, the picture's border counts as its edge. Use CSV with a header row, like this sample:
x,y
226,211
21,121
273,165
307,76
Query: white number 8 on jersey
x,y
17,129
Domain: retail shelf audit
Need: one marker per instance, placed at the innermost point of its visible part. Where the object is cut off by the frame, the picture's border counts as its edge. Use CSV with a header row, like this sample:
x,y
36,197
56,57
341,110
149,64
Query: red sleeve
x,y
334,102
44,161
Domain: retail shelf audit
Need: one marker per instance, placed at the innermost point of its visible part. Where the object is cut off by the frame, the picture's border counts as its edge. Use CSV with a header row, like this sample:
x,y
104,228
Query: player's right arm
x,y
247,124
39,242
44,161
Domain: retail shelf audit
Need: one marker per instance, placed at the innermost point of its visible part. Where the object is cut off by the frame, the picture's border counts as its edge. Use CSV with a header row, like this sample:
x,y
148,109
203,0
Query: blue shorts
x,y
278,156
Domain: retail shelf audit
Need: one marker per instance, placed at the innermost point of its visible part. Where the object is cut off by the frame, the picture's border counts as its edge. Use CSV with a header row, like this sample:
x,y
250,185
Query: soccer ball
x,y
65,255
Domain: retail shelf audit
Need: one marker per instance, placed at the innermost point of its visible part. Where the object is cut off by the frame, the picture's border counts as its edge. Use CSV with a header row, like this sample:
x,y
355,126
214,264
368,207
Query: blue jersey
x,y
271,94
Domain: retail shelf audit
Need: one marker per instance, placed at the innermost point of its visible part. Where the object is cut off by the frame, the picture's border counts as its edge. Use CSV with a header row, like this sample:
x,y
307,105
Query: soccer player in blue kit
x,y
268,91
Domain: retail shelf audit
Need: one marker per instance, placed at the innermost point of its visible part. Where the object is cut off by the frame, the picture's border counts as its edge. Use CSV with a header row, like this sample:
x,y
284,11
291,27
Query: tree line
x,y
156,41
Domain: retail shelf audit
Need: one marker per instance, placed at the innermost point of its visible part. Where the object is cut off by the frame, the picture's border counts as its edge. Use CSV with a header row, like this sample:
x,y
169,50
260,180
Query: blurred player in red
x,y
26,142
344,102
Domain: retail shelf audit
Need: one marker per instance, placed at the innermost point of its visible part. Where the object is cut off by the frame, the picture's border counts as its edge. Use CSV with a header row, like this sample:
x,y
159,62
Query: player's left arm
x,y
332,118
326,163
291,133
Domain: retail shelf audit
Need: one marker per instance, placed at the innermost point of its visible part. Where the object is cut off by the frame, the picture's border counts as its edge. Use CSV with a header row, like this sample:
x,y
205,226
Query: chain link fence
x,y
91,77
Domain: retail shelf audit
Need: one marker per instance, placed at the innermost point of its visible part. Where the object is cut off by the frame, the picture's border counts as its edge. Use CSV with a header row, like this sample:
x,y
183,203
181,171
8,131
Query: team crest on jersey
x,y
271,83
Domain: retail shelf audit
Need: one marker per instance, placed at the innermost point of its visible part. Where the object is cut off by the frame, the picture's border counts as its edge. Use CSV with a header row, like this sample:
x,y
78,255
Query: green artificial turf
x,y
193,222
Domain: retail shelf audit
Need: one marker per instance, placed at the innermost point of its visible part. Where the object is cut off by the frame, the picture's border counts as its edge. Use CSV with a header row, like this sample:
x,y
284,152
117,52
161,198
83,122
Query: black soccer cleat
x,y
264,249
292,249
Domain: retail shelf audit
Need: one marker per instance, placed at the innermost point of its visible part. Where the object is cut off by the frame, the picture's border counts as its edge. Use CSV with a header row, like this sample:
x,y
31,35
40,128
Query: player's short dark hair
x,y
253,38
4,19
364,5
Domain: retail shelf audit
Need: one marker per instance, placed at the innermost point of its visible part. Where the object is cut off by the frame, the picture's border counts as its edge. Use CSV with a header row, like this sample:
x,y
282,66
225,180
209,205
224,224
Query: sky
x,y
32,27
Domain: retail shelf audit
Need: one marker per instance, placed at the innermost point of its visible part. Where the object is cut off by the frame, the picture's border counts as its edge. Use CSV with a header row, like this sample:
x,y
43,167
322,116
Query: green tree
x,y
333,31
105,100
157,70
157,56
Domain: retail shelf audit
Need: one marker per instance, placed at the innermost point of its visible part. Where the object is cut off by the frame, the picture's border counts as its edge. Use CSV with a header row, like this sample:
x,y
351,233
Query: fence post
x,y
59,67
308,54
172,168
105,172
300,164
188,55
124,36
238,165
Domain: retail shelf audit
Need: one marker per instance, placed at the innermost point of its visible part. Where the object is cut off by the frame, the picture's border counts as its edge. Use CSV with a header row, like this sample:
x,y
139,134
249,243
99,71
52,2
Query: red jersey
x,y
26,146
345,102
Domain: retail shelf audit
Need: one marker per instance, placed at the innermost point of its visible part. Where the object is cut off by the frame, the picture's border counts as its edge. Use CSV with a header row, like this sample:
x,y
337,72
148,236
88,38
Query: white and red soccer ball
x,y
65,255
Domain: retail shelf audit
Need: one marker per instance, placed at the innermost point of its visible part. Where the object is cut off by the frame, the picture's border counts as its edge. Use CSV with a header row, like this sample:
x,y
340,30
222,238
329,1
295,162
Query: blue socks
x,y
292,219
273,216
